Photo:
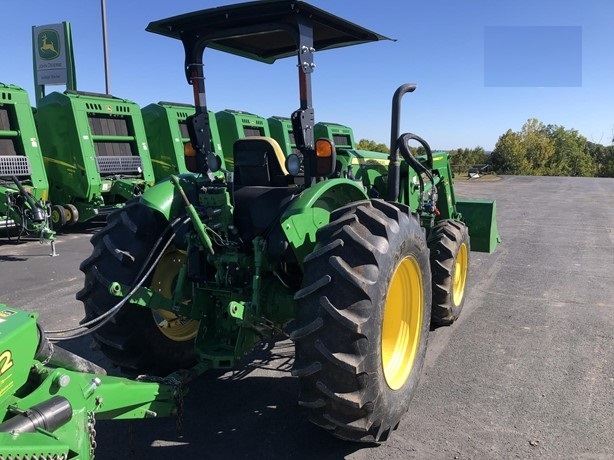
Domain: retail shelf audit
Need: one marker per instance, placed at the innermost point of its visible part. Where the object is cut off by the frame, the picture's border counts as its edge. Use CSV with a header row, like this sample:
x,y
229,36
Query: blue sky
x,y
440,45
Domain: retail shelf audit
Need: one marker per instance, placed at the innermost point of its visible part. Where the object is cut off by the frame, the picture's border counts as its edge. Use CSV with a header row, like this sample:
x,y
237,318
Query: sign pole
x,y
103,9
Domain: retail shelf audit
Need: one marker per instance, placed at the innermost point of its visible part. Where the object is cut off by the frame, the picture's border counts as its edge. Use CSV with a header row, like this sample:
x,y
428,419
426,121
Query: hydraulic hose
x,y
60,357
403,144
141,277
38,214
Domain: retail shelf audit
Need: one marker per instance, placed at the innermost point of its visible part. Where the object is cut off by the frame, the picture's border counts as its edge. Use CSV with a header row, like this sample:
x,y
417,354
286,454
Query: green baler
x,y
281,131
24,188
235,124
167,134
95,151
342,136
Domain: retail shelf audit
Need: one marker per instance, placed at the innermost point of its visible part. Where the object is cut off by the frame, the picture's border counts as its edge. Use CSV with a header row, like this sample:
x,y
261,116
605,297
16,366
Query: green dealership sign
x,y
53,57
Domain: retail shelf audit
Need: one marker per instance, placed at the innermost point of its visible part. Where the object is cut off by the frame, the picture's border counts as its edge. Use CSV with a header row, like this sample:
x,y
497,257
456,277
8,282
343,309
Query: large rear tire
x,y
363,320
449,245
137,339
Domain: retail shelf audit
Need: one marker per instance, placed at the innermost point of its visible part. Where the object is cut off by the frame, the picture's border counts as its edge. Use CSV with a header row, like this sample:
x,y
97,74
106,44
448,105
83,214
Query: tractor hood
x,y
263,30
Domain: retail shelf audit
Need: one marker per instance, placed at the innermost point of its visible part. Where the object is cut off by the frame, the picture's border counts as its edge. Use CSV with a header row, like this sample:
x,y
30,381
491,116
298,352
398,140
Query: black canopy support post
x,y
198,124
303,119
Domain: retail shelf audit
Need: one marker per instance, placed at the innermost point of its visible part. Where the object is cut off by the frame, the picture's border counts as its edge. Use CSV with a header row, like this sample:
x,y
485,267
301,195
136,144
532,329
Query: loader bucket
x,y
481,218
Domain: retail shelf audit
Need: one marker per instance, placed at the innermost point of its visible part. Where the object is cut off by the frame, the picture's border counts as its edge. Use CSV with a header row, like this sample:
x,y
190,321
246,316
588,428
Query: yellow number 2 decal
x,y
6,361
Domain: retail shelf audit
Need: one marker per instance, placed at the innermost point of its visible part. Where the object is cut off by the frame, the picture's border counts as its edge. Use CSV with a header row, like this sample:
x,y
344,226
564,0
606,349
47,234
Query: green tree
x,y
571,154
509,155
607,168
417,151
545,150
539,147
372,146
468,157
603,159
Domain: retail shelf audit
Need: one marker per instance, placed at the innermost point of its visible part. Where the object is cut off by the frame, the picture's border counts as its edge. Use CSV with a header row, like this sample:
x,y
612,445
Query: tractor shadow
x,y
11,258
85,228
13,250
250,412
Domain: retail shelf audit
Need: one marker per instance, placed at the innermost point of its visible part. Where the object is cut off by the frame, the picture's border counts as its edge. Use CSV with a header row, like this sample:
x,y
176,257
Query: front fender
x,y
311,210
165,198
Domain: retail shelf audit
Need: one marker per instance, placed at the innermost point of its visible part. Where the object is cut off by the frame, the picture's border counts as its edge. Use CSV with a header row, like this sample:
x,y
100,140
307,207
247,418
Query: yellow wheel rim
x,y
68,213
176,328
460,274
402,326
55,216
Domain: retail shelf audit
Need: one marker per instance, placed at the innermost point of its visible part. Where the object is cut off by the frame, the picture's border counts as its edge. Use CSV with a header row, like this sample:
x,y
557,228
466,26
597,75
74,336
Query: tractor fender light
x,y
326,157
324,148
189,153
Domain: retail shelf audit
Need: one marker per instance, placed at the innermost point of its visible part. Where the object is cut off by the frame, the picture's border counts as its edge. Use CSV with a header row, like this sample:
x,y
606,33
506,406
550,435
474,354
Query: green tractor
x,y
354,253
24,189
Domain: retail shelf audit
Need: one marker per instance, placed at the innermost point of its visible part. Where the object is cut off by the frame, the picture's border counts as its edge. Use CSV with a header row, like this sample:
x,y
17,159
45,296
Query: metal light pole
x,y
103,9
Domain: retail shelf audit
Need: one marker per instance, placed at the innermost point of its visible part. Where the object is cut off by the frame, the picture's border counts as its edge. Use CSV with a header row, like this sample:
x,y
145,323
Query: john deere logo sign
x,y
50,60
48,44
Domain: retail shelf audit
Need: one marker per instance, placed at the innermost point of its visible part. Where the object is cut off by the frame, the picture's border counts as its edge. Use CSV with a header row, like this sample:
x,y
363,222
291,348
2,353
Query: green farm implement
x,y
95,152
24,189
234,125
50,398
281,130
167,135
342,136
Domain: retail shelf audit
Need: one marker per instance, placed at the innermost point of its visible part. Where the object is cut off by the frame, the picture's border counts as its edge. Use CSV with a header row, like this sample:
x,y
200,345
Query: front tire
x,y
449,245
363,320
137,339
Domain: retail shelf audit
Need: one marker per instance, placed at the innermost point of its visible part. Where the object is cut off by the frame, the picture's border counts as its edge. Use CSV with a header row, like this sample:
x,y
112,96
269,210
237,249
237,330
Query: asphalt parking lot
x,y
527,371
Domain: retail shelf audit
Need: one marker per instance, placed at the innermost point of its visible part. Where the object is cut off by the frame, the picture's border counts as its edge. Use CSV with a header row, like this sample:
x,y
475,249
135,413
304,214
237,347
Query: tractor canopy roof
x,y
263,30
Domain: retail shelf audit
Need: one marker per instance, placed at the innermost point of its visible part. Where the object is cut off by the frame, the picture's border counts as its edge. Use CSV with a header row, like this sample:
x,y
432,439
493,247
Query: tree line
x,y
537,149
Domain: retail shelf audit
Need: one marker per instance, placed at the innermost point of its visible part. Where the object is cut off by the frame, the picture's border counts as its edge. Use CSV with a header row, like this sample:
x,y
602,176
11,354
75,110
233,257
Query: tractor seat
x,y
259,161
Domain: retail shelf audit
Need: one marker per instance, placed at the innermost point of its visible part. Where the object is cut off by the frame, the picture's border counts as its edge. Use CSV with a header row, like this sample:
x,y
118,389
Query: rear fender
x,y
311,210
165,198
